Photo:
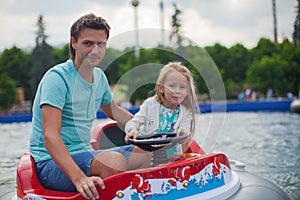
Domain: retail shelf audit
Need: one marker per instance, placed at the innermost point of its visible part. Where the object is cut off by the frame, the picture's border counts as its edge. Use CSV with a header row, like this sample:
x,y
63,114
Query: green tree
x,y
296,33
176,26
293,70
289,52
239,59
269,72
42,57
220,55
15,63
286,49
61,54
116,63
264,47
238,63
7,92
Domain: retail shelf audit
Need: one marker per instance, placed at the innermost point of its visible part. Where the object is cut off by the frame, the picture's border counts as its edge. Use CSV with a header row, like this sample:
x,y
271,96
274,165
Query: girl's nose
x,y
176,89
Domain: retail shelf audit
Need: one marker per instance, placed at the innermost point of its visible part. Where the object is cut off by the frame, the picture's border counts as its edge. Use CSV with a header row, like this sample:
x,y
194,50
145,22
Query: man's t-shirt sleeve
x,y
53,91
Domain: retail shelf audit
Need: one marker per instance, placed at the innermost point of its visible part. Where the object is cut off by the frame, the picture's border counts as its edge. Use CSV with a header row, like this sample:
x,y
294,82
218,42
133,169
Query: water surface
x,y
267,142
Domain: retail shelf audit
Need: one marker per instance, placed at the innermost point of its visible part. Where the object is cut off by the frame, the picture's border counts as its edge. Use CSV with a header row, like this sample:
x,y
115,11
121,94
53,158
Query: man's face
x,y
90,47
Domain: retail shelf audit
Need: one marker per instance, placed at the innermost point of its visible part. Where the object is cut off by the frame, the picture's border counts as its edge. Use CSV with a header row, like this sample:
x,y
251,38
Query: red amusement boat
x,y
192,175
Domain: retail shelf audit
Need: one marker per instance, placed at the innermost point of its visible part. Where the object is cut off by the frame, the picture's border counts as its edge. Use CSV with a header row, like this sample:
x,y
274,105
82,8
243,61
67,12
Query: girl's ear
x,y
161,88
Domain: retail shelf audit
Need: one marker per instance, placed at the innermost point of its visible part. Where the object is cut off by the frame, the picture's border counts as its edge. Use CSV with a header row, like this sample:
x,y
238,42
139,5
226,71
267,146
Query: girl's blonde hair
x,y
190,102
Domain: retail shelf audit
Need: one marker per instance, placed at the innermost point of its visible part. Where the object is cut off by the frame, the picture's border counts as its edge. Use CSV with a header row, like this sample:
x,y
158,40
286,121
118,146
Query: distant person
x,y
269,94
248,92
172,109
290,95
253,95
241,96
66,102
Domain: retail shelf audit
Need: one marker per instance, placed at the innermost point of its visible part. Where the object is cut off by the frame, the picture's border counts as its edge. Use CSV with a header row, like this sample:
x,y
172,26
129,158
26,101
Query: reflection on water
x,y
268,143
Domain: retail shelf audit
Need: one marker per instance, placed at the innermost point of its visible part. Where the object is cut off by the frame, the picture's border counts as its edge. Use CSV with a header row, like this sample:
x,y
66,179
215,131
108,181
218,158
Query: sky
x,y
205,22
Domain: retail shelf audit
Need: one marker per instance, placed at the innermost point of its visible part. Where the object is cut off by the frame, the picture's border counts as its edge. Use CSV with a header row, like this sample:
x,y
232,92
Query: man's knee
x,y
108,163
139,159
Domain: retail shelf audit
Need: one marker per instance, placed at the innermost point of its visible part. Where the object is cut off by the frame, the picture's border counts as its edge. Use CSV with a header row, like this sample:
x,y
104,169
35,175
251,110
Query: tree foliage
x,y
42,57
15,63
267,65
269,72
296,33
7,92
176,26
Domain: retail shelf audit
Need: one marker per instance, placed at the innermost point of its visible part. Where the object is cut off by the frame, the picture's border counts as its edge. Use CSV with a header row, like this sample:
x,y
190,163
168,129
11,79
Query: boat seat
x,y
112,136
28,183
107,136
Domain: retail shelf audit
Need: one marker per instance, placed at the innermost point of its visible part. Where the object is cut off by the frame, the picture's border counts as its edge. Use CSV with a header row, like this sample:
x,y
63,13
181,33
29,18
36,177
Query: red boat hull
x,y
188,171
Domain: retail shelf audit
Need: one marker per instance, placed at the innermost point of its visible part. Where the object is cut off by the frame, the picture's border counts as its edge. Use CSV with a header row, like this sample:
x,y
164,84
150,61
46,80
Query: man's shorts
x,y
51,176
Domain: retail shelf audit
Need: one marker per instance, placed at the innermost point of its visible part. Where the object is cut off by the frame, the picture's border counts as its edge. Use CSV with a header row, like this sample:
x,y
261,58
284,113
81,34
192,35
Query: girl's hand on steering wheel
x,y
181,132
133,133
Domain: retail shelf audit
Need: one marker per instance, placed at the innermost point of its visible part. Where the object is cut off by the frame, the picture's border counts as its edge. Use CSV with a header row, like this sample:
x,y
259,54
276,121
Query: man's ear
x,y
73,42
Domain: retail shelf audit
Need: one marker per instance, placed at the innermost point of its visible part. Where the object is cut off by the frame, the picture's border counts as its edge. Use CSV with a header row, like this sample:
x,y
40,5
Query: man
x,y
67,100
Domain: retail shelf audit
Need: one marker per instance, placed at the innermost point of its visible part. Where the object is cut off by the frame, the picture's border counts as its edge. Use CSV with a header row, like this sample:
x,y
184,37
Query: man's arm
x,y
116,112
52,137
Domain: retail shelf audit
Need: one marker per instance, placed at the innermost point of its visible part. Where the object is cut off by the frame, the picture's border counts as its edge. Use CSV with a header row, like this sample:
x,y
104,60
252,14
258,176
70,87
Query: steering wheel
x,y
154,142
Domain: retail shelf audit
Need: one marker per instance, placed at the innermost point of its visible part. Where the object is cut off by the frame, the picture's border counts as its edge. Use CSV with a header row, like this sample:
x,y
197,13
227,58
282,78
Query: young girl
x,y
172,109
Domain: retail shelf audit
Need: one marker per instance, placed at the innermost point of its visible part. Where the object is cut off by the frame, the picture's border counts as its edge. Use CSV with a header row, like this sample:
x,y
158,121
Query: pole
x,y
275,21
135,4
162,22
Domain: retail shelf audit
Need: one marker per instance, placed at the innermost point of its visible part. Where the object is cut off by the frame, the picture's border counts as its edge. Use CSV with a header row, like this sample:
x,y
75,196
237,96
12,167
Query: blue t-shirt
x,y
79,101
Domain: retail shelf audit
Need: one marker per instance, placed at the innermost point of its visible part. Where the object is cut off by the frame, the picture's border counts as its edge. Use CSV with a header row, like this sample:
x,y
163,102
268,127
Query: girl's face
x,y
175,89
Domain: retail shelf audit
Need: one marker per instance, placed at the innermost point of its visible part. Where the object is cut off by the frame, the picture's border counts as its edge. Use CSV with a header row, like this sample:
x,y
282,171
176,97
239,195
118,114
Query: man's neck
x,y
85,71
